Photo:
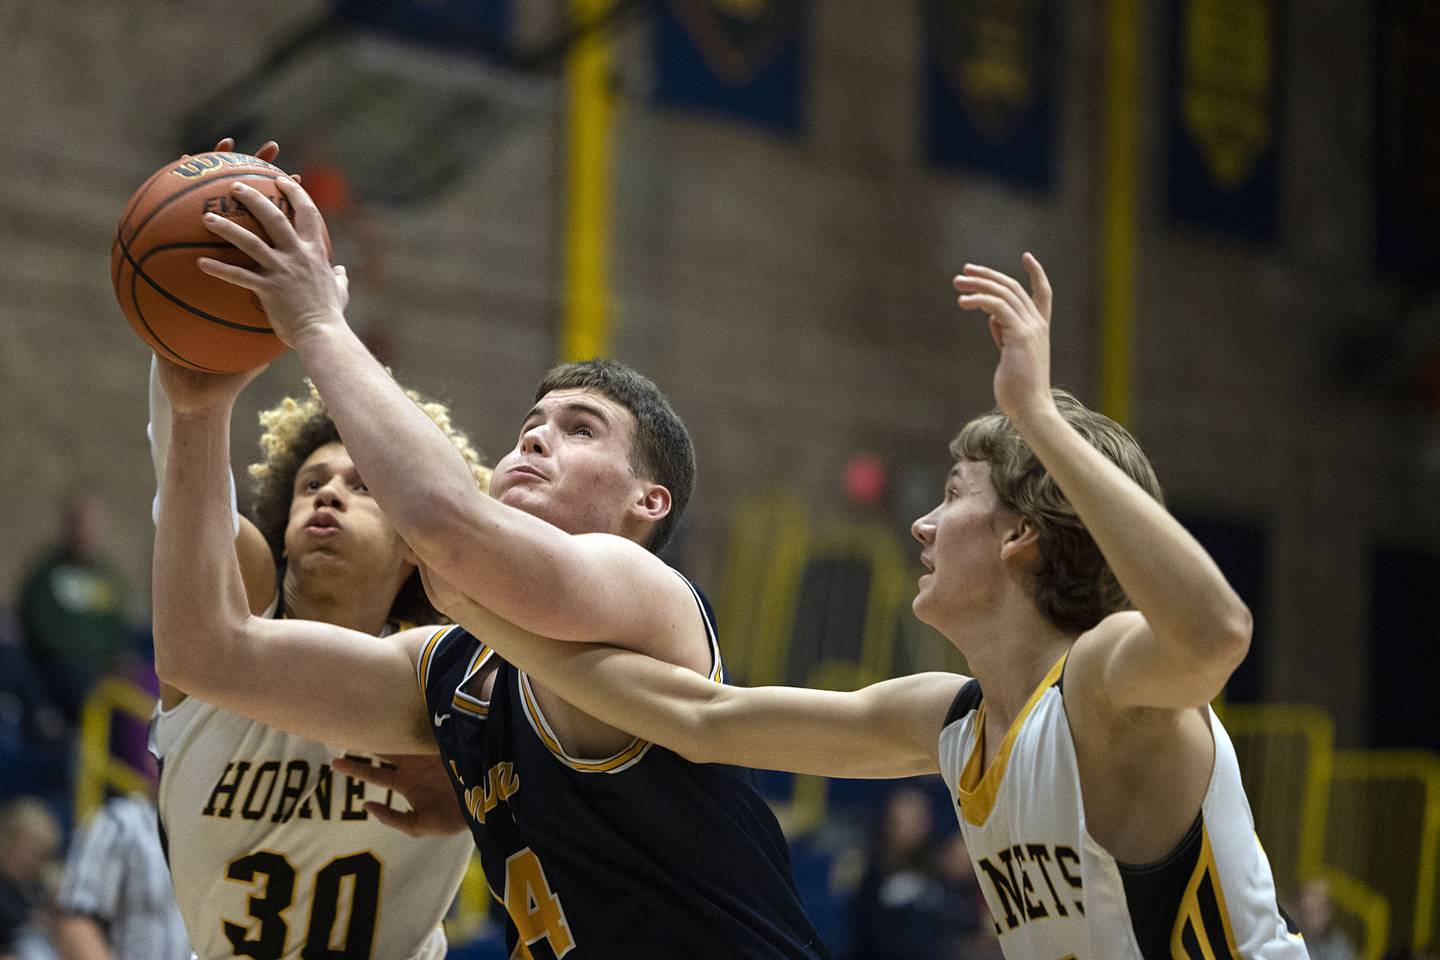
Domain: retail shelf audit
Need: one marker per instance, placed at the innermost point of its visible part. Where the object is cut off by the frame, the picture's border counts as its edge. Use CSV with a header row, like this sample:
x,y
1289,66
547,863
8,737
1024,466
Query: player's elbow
x,y
1230,642
183,661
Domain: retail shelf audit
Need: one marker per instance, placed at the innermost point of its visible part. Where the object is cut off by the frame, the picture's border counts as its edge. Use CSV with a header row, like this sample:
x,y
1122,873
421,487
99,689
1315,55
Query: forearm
x,y
200,605
1166,573
416,475
80,938
868,733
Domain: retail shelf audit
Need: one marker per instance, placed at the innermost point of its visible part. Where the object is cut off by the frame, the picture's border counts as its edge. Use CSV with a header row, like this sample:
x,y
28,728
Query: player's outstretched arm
x,y
592,587
1191,629
317,680
889,729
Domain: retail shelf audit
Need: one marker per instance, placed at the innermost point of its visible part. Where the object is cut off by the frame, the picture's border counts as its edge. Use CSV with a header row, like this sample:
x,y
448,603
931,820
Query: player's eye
x,y
310,486
362,487
584,431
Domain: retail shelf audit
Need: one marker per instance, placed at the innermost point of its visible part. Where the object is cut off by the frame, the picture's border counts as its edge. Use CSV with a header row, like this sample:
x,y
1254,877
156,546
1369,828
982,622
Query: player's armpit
x,y
257,566
1122,664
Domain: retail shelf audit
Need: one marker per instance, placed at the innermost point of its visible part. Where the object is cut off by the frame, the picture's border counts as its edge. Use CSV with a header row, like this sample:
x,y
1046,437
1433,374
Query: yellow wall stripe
x,y
586,327
1117,285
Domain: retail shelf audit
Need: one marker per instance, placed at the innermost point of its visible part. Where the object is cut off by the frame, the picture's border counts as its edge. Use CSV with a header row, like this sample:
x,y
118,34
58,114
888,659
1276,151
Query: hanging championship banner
x,y
1407,143
1223,125
737,58
479,26
991,71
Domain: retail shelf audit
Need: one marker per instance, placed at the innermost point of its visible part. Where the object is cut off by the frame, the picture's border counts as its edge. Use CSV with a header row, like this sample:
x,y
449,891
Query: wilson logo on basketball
x,y
199,166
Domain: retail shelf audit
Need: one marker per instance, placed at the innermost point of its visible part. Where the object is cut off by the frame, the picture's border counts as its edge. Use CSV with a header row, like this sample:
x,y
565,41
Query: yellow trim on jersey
x,y
613,764
427,653
466,703
977,788
1202,899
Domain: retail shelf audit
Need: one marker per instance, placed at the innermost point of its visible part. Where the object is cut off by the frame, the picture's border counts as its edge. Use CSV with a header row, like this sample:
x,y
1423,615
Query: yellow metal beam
x,y
585,331
1117,285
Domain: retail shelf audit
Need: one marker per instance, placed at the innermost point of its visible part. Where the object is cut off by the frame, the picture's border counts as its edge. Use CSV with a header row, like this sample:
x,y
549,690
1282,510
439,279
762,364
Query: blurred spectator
x,y
1315,914
72,609
29,841
899,907
964,932
26,714
115,900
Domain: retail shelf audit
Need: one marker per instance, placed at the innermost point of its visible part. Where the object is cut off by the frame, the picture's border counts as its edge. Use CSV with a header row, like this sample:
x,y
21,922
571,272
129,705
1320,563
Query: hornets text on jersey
x,y
1054,891
641,854
274,856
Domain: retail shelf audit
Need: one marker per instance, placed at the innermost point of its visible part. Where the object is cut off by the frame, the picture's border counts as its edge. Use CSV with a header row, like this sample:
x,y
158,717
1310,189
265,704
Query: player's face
x,y
960,544
571,464
333,518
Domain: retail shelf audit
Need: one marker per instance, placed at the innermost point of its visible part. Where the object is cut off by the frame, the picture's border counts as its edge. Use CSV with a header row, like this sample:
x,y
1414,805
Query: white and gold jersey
x,y
273,856
1054,892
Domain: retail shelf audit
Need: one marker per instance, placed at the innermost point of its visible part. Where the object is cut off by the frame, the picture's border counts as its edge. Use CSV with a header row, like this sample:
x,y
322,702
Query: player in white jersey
x,y
1098,793
273,853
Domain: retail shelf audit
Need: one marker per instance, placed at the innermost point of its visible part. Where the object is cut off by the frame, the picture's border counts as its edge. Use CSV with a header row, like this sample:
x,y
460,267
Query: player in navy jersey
x,y
1098,793
597,844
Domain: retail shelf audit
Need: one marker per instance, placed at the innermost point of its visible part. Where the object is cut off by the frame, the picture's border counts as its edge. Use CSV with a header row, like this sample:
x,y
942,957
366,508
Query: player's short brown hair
x,y
662,450
1074,586
294,429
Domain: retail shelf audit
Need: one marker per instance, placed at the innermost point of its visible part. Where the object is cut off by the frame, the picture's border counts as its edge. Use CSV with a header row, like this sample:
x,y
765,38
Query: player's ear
x,y
1020,541
653,503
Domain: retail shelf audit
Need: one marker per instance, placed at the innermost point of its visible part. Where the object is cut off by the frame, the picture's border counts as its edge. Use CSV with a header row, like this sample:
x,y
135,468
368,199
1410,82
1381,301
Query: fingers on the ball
x,y
308,221
268,151
263,209
238,237
228,272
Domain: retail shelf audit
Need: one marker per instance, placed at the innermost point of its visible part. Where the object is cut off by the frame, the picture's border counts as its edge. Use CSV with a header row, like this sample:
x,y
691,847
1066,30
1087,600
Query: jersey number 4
x,y
274,877
533,908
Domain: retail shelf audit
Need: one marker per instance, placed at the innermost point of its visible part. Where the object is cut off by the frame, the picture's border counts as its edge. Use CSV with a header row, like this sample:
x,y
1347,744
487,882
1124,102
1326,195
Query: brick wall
x,y
792,296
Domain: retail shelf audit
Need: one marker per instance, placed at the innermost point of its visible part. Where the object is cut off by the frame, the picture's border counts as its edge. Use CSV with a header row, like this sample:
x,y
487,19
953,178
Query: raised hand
x,y
1020,327
293,278
192,390
421,780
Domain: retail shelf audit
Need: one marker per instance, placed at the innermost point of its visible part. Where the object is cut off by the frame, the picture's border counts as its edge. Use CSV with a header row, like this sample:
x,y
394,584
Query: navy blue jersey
x,y
638,855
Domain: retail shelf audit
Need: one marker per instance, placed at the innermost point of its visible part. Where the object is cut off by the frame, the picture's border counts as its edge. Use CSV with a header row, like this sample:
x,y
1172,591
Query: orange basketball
x,y
184,315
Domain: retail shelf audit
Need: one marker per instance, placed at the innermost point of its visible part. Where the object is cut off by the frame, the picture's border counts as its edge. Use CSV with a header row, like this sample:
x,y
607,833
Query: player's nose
x,y
536,441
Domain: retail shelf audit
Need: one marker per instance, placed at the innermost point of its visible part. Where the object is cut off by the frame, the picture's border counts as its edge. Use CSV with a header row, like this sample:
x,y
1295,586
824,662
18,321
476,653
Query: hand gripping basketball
x,y
186,316
293,279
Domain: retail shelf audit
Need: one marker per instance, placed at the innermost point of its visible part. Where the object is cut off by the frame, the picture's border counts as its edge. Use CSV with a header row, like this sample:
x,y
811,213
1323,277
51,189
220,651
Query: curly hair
x,y
1074,587
294,429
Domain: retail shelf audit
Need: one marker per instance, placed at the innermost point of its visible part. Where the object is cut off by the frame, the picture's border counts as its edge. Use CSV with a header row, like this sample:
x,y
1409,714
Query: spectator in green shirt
x,y
72,609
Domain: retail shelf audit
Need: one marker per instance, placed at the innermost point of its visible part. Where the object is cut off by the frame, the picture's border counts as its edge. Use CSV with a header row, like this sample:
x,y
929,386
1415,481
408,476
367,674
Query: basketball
x,y
195,320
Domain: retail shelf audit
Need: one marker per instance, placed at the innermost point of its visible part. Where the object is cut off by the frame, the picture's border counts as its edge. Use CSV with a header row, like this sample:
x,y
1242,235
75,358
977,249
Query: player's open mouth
x,y
322,525
527,472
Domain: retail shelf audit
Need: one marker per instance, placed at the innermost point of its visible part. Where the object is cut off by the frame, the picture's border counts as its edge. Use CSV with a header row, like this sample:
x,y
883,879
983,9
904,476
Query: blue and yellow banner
x,y
1223,116
991,76
737,58
478,26
1407,143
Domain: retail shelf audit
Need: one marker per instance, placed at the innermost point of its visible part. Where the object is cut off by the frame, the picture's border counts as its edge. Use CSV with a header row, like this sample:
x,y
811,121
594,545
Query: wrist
x,y
317,329
1036,413
201,411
